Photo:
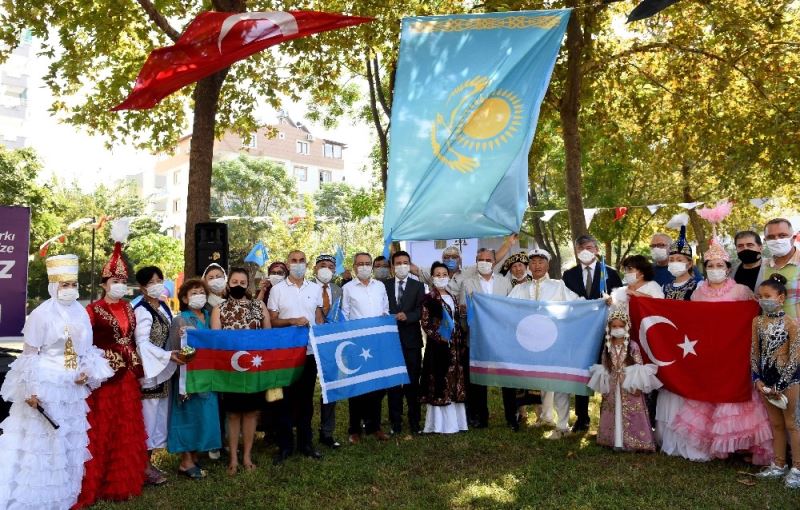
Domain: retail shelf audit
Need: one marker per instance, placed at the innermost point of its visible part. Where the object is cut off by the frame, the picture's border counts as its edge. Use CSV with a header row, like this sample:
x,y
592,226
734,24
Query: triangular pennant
x,y
654,208
648,8
620,213
690,205
588,215
759,203
548,215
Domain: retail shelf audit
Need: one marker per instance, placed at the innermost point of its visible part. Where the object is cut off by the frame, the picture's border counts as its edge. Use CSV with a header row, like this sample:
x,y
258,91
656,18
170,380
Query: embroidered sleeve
x,y
754,351
637,354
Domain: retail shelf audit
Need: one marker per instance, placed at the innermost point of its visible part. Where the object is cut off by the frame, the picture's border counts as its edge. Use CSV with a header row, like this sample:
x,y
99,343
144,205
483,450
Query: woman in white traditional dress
x,y
44,442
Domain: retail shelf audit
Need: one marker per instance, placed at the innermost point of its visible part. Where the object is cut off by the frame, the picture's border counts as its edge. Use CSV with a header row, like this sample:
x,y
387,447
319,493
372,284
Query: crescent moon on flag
x,y
646,324
235,361
285,21
340,361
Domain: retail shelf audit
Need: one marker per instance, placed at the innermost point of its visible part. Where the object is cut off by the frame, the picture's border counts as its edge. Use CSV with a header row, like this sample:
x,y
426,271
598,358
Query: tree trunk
x,y
201,157
569,110
694,218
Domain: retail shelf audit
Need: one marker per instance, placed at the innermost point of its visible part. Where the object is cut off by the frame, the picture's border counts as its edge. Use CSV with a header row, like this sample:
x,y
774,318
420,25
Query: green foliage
x,y
158,250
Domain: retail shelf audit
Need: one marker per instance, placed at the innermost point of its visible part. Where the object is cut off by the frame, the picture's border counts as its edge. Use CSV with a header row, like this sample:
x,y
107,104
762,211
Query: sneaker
x,y
772,471
793,479
214,455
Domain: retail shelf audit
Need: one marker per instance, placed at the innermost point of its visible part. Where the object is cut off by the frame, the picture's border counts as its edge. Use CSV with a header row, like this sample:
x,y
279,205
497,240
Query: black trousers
x,y
367,409
510,405
413,358
327,419
477,405
297,409
582,410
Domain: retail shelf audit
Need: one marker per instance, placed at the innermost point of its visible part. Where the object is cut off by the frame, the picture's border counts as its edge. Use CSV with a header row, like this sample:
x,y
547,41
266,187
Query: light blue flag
x,y
258,255
358,356
540,345
467,95
339,260
335,314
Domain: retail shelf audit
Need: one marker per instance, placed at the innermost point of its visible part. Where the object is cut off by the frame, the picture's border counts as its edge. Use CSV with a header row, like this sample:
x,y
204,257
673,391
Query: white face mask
x,y
197,301
364,272
297,270
617,332
676,269
659,254
275,279
324,275
117,290
630,278
586,257
484,267
155,290
67,296
717,275
217,284
440,282
780,247
381,273
402,270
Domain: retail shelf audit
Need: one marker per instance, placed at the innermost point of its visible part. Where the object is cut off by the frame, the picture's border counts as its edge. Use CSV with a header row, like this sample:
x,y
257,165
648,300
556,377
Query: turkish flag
x,y
702,349
215,40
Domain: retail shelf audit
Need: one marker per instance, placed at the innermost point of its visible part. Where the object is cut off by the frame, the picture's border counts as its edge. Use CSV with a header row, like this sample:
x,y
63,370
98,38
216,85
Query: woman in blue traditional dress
x,y
193,417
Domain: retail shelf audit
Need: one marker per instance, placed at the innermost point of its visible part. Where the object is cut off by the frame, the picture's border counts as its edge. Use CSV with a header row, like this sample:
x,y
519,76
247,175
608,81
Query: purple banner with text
x,y
15,227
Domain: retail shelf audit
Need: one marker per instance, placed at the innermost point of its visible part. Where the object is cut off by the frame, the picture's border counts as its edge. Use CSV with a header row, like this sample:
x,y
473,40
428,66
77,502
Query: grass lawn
x,y
489,468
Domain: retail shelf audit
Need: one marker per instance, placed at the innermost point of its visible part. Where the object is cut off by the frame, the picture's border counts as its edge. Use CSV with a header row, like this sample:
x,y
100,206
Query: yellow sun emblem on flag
x,y
477,120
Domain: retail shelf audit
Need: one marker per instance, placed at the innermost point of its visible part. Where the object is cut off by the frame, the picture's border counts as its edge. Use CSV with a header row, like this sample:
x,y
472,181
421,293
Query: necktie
x,y
400,291
588,281
326,300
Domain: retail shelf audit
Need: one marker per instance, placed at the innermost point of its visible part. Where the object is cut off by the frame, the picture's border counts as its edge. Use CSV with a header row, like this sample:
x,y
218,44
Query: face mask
x,y
402,270
297,270
717,275
275,279
617,332
780,247
67,296
452,264
770,305
749,256
324,275
630,278
676,268
217,284
364,272
659,254
117,290
155,290
215,300
484,267
441,282
586,257
197,301
381,273
237,292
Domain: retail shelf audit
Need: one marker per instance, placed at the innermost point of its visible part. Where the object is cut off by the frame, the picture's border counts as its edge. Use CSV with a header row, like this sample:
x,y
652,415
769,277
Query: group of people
x,y
97,390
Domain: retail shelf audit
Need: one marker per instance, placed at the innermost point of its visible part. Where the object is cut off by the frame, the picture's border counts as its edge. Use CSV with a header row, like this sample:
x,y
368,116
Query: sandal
x,y
194,472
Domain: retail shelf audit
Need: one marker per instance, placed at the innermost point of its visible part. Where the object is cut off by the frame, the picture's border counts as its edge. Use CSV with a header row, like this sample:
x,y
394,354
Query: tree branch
x,y
159,19
379,88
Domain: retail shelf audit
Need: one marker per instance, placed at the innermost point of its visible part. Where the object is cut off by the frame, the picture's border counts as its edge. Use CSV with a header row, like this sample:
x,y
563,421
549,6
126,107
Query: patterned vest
x,y
159,333
120,351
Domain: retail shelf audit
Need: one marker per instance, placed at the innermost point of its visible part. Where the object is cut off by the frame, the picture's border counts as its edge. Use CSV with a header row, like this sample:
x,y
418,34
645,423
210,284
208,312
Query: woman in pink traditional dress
x,y
717,430
623,379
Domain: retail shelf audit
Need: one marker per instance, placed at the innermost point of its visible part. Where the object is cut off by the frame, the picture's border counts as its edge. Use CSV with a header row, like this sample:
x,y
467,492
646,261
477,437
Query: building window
x,y
301,173
175,177
331,150
281,135
302,147
440,244
325,176
175,205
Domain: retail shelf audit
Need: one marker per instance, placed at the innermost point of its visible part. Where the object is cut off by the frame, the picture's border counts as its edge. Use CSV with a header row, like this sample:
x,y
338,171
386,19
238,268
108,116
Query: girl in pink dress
x,y
718,430
623,379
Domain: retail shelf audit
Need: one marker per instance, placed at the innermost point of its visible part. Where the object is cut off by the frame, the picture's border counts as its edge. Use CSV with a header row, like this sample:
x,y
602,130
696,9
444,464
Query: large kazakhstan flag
x,y
466,102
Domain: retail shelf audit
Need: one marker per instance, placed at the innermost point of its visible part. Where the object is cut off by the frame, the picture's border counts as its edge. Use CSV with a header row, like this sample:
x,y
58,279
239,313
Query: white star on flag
x,y
365,354
257,360
688,346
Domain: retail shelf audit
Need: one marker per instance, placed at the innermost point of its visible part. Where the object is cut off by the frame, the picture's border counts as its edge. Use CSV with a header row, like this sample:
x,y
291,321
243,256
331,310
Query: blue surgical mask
x,y
452,264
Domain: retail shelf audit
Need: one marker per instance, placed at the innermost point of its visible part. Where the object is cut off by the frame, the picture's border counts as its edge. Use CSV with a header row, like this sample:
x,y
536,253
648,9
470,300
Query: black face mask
x,y
749,256
237,292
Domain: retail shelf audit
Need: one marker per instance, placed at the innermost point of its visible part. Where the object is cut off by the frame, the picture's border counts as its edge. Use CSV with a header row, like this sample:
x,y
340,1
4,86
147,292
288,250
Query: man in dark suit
x,y
331,295
584,280
405,302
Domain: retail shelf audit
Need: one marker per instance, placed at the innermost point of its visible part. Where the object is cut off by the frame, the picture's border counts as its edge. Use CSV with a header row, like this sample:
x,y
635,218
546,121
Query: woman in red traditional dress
x,y
117,438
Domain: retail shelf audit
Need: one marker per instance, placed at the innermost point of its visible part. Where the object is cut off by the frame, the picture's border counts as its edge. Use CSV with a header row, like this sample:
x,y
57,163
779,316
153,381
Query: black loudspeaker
x,y
210,245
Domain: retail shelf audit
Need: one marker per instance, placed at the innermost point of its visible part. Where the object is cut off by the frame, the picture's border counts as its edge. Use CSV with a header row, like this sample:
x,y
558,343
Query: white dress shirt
x,y
487,286
544,289
360,300
156,362
291,301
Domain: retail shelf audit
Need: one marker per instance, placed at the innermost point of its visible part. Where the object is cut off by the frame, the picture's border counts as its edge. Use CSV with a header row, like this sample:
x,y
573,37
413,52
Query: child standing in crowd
x,y
775,362
623,379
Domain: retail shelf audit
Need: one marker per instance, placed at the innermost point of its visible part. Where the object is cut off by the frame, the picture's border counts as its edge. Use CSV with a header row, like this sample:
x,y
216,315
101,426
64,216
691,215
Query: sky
x,y
72,154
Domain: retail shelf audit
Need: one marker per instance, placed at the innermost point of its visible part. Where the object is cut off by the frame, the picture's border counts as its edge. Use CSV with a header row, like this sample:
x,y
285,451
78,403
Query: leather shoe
x,y
329,442
580,427
311,453
354,439
280,457
380,436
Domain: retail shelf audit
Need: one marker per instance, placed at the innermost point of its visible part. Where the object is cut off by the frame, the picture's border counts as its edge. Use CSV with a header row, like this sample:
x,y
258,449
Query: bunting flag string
x,y
62,237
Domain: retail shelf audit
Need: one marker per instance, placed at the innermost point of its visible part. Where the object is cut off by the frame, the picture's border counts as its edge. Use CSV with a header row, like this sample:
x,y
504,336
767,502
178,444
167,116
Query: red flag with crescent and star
x,y
702,349
215,40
